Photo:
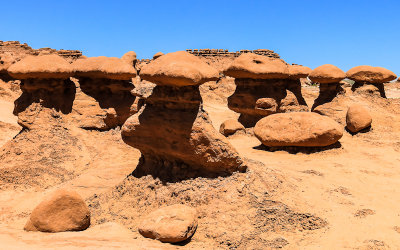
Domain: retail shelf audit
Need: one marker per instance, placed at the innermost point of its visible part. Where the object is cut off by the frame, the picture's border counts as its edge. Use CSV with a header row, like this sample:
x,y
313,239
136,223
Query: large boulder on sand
x,y
178,69
61,211
327,73
172,224
357,118
370,74
229,127
254,66
303,129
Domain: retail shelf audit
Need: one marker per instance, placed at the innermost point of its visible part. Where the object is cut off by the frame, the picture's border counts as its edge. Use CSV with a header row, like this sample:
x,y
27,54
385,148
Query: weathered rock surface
x,y
327,73
298,71
257,67
61,211
172,131
370,74
157,55
171,224
178,69
302,129
229,127
358,118
130,58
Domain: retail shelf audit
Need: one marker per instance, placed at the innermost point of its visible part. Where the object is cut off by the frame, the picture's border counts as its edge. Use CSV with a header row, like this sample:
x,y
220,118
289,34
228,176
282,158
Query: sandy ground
x,y
352,186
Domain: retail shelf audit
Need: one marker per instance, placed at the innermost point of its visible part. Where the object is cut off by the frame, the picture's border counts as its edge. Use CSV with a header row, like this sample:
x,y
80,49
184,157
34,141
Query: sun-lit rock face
x,y
172,131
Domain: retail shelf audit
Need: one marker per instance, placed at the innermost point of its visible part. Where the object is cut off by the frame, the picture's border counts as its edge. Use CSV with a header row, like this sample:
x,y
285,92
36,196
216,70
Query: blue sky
x,y
343,33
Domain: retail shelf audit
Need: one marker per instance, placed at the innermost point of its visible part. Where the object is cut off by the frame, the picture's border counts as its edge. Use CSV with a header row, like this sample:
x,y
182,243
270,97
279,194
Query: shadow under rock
x,y
295,150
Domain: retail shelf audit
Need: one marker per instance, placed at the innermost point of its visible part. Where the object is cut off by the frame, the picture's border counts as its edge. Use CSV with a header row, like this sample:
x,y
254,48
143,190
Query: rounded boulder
x,y
302,129
229,127
357,118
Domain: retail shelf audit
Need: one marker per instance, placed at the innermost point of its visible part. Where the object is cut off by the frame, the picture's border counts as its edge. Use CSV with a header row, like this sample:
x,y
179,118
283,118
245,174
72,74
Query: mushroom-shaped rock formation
x,y
171,224
109,81
264,86
369,75
130,58
298,71
173,132
157,55
329,77
45,84
301,129
60,212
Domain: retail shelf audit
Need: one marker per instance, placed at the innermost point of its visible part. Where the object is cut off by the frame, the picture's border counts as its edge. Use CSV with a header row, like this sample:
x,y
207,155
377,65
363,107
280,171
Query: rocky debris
x,y
298,71
171,224
226,53
369,75
229,127
358,118
172,131
157,55
302,129
329,77
263,87
60,212
45,83
327,73
108,81
130,58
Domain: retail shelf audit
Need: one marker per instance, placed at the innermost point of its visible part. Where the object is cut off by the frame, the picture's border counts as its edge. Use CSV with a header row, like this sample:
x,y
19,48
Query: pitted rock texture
x,y
302,129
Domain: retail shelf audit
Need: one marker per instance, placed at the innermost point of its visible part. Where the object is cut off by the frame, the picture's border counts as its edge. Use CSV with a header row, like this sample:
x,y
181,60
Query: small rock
x,y
171,224
229,127
61,211
157,55
358,118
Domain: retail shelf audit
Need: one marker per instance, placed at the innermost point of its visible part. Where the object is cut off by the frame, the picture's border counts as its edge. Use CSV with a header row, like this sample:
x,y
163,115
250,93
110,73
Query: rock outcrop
x,y
365,77
264,86
109,81
171,224
301,129
172,131
358,118
60,212
157,55
130,58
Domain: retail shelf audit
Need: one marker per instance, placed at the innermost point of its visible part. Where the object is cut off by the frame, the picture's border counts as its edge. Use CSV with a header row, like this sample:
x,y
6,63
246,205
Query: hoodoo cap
x,y
129,57
370,74
254,66
327,73
104,67
46,66
178,69
298,71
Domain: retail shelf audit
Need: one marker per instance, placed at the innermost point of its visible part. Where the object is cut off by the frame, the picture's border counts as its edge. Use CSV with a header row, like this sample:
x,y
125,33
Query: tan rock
x,y
172,224
39,67
298,71
358,118
104,67
303,129
229,127
254,66
157,55
327,73
130,58
370,74
61,211
178,69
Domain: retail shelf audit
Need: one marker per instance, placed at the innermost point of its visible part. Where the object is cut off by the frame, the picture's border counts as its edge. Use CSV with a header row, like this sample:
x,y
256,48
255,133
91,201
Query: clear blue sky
x,y
343,33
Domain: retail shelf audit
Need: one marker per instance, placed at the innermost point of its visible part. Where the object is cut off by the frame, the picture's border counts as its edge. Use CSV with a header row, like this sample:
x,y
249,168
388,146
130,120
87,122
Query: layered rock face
x,y
264,86
370,79
109,81
172,131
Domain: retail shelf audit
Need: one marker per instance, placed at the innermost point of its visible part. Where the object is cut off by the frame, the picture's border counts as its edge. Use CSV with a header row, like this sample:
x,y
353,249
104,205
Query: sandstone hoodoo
x,y
358,118
172,131
229,127
60,212
328,76
302,129
298,71
157,55
171,224
130,58
264,86
109,81
45,81
369,75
